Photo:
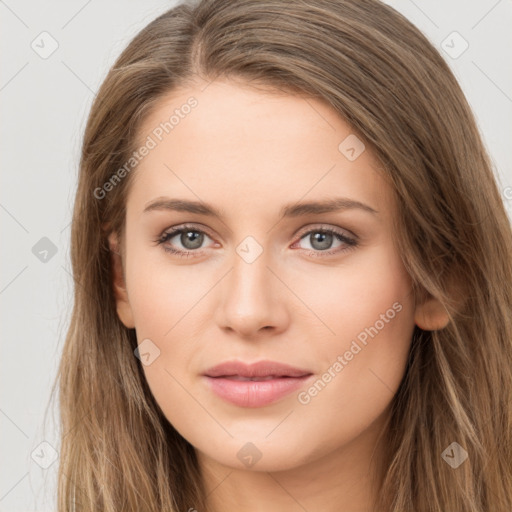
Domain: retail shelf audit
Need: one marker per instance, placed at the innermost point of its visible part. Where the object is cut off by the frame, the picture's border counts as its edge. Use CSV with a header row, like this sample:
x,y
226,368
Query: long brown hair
x,y
372,66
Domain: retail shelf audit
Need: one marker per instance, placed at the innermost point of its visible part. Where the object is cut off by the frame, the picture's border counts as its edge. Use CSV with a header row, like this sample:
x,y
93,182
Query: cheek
x,y
368,289
163,294
361,375
168,304
369,309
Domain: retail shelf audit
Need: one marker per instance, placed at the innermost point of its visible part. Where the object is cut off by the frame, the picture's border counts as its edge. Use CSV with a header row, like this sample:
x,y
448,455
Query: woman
x,y
293,269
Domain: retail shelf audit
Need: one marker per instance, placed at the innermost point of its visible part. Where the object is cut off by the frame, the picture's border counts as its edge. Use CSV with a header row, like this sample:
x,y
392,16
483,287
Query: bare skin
x,y
248,154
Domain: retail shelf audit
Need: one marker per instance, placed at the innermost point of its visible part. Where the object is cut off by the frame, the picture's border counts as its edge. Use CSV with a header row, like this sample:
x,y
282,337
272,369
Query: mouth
x,y
259,370
254,385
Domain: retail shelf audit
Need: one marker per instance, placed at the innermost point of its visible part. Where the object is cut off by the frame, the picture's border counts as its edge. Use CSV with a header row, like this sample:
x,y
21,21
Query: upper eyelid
x,y
327,227
185,227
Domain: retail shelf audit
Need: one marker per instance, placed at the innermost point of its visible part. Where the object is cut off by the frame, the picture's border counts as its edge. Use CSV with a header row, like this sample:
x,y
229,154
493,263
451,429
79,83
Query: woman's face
x,y
275,277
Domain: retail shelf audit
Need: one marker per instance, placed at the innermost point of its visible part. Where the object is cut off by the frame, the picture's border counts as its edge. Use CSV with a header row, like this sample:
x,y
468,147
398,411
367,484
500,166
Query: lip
x,y
273,381
258,369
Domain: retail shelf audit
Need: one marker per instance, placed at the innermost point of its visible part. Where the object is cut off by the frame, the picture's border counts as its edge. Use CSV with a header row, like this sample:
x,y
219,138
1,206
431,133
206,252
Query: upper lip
x,y
258,369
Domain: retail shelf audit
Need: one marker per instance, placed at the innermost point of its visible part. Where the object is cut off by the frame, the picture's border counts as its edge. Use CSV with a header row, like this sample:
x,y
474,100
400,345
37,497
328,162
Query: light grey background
x,y
44,103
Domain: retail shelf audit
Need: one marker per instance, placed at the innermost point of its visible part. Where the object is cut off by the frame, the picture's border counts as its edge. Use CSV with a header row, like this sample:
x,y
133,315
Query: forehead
x,y
241,144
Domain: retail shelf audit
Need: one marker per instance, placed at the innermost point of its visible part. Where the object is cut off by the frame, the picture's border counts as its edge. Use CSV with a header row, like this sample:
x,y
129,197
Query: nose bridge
x,y
250,280
250,275
250,300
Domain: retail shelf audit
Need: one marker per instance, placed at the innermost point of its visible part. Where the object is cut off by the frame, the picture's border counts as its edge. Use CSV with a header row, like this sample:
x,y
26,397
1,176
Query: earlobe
x,y
124,310
431,315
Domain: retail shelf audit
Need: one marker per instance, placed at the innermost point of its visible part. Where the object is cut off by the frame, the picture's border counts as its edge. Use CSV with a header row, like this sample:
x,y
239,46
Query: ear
x,y
124,310
430,315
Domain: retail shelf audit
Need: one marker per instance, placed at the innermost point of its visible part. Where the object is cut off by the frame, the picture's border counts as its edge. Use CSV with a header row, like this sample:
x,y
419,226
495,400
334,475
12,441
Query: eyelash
x,y
350,242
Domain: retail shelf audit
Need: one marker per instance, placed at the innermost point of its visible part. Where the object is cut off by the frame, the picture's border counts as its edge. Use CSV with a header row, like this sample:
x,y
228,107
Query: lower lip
x,y
252,393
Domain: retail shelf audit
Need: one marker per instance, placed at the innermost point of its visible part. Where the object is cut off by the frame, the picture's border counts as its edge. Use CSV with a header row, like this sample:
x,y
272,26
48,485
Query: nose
x,y
253,299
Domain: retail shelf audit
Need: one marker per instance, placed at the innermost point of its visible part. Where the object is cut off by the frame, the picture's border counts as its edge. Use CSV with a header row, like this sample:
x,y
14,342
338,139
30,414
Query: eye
x,y
321,241
190,238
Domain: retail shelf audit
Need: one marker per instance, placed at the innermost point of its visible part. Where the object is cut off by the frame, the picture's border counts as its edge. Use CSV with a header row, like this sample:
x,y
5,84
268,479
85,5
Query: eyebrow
x,y
290,210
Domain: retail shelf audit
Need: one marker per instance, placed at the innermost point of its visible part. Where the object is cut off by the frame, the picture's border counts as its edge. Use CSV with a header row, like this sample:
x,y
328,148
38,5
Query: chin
x,y
258,454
